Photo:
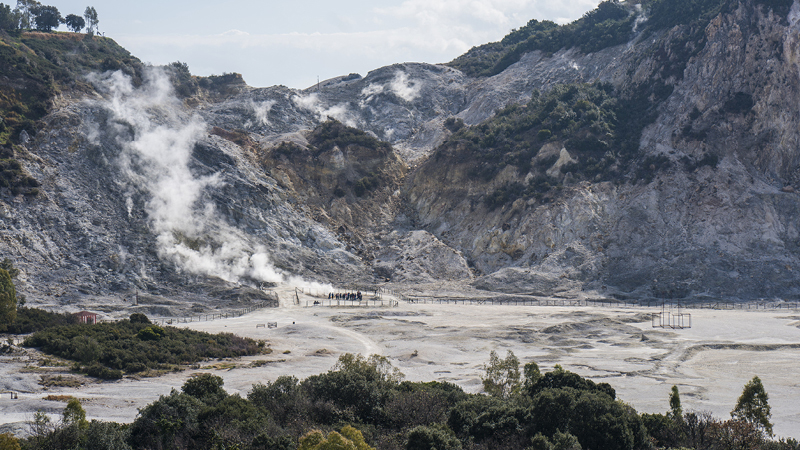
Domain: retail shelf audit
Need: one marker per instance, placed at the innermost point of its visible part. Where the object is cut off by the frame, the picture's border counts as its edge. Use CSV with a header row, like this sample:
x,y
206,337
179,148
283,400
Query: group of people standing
x,y
345,296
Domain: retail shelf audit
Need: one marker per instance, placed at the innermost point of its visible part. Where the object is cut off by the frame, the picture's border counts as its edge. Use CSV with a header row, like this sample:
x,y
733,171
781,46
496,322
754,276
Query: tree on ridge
x,y
74,22
91,20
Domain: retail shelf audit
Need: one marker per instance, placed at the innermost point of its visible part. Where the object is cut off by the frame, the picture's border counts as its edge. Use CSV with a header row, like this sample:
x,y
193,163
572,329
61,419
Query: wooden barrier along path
x,y
608,303
374,302
209,317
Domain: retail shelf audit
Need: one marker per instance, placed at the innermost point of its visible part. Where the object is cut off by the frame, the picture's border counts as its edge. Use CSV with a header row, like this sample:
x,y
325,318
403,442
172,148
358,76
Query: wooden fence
x,y
776,305
374,302
214,316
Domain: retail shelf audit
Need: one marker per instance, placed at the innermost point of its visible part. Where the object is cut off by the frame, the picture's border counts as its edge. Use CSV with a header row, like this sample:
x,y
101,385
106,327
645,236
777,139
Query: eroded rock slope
x,y
215,194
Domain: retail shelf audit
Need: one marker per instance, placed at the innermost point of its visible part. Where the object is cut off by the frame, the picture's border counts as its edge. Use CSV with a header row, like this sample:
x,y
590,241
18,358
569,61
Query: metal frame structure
x,y
671,317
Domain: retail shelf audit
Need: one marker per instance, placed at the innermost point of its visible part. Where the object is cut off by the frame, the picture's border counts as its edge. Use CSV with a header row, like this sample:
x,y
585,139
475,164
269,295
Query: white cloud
x,y
434,13
362,39
235,33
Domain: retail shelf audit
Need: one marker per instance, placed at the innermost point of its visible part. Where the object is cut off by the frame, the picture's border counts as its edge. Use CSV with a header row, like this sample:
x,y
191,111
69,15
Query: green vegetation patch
x,y
35,68
105,349
581,117
611,23
29,320
12,175
333,133
38,66
367,401
368,157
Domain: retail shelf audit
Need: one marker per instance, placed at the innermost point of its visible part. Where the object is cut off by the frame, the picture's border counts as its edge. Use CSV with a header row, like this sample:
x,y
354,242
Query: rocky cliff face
x,y
724,231
213,196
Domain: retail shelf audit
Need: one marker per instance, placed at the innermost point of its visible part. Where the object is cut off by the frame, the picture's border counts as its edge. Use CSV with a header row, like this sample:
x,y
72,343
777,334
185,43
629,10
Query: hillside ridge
x,y
657,168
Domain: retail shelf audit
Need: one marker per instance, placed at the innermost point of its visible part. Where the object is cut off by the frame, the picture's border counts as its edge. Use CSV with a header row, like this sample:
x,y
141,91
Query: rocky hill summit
x,y
635,153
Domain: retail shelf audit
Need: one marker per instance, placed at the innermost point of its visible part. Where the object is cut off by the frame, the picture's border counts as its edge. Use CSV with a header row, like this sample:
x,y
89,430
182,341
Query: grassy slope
x,y
611,23
35,68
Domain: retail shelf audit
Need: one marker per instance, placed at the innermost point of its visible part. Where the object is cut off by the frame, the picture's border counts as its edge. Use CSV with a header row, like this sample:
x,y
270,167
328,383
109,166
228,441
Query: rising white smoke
x,y
261,112
399,86
312,103
403,88
157,138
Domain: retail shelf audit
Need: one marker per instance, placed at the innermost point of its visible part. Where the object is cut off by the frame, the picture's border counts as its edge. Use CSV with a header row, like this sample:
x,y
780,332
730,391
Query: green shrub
x,y
151,333
287,149
560,378
139,318
169,422
544,134
453,124
365,185
99,371
30,320
436,436
740,103
333,133
120,345
356,383
135,367
205,387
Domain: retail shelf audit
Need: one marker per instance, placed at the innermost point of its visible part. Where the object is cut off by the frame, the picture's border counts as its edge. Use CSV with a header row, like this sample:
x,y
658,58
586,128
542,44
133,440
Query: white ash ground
x,y
710,362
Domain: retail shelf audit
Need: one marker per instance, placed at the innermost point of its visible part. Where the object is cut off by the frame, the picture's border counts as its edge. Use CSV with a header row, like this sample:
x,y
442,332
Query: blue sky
x,y
294,42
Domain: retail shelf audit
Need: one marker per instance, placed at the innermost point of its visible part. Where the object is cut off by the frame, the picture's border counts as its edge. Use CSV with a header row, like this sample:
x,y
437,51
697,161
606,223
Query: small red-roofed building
x,y
87,317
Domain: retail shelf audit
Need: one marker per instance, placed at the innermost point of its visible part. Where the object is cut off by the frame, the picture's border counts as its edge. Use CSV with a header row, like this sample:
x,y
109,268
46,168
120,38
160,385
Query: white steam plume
x,y
313,103
261,111
157,140
399,86
407,90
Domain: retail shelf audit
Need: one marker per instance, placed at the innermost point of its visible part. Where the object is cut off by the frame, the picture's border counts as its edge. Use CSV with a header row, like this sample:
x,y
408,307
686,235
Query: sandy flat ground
x,y
709,362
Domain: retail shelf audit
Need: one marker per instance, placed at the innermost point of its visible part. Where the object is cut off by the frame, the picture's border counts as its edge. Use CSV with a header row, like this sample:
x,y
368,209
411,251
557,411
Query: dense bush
x,y
333,133
560,378
453,124
169,422
33,319
558,410
139,318
357,384
13,176
225,83
129,346
8,300
429,437
183,82
99,371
